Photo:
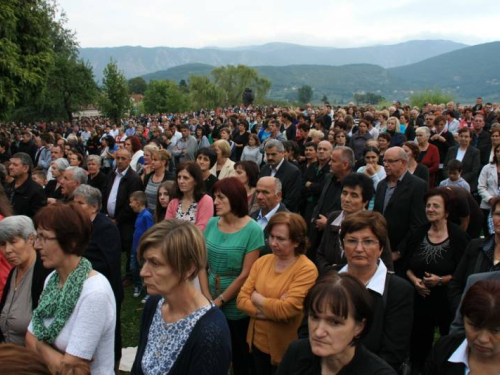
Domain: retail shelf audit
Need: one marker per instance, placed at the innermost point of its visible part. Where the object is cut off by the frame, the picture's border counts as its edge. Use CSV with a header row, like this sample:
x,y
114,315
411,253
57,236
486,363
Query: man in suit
x,y
341,164
481,139
268,192
468,155
490,117
457,326
400,198
286,172
120,184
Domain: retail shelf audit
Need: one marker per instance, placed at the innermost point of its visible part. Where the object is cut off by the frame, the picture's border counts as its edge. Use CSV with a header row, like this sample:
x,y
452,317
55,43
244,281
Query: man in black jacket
x,y
286,172
26,196
120,184
28,146
400,198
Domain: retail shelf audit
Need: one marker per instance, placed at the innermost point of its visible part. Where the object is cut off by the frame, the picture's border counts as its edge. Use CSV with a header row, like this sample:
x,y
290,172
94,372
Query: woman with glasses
x,y
364,237
432,255
274,292
64,328
25,281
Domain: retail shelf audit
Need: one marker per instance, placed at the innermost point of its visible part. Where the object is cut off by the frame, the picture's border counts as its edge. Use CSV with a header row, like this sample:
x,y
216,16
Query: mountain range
x,y
466,73
136,61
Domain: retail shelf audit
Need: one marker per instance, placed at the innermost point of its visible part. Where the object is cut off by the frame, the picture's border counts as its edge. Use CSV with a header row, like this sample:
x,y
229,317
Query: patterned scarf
x,y
59,303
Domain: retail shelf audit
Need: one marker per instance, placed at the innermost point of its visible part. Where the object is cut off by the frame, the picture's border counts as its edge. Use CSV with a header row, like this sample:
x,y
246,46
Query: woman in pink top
x,y
5,210
189,199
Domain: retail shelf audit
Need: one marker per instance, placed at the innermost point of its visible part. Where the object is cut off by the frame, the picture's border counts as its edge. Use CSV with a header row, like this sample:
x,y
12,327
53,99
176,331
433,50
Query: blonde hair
x,y
151,149
181,243
164,155
397,129
224,147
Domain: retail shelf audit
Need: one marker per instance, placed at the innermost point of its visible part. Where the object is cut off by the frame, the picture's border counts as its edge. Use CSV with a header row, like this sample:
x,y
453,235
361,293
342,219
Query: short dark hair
x,y
385,136
481,304
209,153
363,181
441,193
366,219
297,229
343,295
25,159
311,144
465,130
454,166
139,196
413,148
251,169
194,170
71,226
235,191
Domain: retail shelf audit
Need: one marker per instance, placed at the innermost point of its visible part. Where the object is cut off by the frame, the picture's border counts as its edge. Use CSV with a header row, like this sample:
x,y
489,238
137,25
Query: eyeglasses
x,y
43,239
391,161
365,244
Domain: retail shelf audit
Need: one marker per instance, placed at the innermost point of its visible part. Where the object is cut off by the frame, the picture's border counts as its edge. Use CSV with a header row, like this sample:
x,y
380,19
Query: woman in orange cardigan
x,y
273,295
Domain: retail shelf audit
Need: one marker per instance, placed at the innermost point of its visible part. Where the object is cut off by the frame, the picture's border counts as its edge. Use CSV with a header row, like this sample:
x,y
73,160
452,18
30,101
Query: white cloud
x,y
227,23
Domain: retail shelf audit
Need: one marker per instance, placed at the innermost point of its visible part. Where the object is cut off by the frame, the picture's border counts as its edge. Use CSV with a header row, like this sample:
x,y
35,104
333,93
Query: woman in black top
x,y
432,255
339,314
241,138
206,158
480,348
414,167
53,187
482,255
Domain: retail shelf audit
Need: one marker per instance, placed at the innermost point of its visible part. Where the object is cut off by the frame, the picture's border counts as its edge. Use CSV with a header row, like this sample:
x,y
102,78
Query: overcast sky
x,y
229,23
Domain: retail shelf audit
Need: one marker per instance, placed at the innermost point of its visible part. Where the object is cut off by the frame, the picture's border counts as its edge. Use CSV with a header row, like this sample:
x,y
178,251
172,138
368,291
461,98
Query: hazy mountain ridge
x,y
466,73
136,61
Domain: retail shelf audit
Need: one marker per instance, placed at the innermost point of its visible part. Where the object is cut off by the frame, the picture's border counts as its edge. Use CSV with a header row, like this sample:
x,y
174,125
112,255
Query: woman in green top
x,y
233,243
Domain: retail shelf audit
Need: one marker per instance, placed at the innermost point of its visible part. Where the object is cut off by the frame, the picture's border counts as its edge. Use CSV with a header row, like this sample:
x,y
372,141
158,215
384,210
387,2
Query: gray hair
x,y
95,158
347,155
275,143
92,195
78,174
16,226
278,187
425,130
24,157
61,164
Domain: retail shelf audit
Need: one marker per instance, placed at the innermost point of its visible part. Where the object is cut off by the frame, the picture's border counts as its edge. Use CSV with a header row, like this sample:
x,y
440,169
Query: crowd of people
x,y
261,240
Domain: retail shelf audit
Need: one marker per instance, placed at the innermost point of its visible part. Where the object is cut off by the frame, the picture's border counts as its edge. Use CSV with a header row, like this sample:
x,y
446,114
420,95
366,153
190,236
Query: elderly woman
x,y
96,178
274,292
182,332
478,351
340,314
159,173
429,154
64,328
25,281
134,146
481,255
431,255
233,243
53,187
224,166
103,250
248,173
364,237
190,202
414,167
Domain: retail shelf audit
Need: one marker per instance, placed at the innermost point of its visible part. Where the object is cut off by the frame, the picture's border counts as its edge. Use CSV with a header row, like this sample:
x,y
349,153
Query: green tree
x,y
26,54
183,85
304,94
164,96
235,79
368,98
204,93
435,96
324,99
137,86
114,100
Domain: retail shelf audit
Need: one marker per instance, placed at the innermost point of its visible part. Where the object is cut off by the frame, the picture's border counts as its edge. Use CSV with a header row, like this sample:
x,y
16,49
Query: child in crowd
x,y
165,193
144,221
40,177
454,169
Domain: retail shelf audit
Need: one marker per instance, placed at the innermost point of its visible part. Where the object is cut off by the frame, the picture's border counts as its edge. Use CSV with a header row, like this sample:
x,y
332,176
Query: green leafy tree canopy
x,y
304,94
163,97
137,85
435,96
114,100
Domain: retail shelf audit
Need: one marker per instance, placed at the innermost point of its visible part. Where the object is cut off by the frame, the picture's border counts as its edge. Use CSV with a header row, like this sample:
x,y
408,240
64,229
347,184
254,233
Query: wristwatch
x,y
440,281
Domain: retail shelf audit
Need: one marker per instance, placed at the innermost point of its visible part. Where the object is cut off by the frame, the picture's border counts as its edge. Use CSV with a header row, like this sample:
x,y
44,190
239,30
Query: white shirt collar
x,y
269,214
121,174
461,355
338,221
279,165
377,282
